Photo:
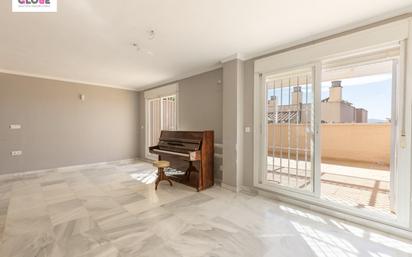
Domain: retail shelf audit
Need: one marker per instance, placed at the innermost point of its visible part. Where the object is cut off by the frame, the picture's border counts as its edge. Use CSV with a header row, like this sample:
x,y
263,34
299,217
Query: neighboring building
x,y
333,109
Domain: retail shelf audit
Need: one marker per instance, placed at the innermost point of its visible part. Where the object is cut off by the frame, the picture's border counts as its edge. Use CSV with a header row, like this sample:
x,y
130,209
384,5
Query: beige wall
x,y
248,78
200,103
361,115
357,142
60,130
331,111
347,113
364,143
340,112
233,123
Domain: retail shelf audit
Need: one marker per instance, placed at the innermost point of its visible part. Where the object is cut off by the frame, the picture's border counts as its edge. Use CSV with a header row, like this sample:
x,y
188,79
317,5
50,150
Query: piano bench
x,y
161,165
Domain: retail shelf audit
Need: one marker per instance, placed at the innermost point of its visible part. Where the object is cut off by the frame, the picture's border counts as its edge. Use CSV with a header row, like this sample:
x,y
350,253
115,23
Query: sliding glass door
x,y
358,113
329,131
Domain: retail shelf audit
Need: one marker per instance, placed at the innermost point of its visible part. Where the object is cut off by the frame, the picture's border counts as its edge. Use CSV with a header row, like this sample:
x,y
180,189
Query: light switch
x,y
248,129
15,126
403,141
16,153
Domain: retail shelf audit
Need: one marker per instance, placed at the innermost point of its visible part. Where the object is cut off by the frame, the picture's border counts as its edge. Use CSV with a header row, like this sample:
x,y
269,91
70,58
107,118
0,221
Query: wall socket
x,y
16,153
15,126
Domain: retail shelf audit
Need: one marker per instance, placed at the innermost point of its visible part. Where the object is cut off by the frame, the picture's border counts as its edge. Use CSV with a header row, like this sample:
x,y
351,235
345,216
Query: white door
x,y
359,115
289,129
161,115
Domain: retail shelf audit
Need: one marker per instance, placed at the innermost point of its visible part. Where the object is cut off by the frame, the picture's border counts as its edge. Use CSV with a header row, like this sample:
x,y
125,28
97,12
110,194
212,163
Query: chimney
x,y
335,91
297,95
272,104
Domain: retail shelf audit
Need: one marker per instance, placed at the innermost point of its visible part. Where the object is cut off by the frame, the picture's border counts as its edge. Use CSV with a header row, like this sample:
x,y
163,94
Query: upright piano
x,y
191,152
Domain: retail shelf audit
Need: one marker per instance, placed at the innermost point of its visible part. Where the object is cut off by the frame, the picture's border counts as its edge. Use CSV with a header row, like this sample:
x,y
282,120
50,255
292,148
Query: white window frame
x,y
159,93
315,138
390,33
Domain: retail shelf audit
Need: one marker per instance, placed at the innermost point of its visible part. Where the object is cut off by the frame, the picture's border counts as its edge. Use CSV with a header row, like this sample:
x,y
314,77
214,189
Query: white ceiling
x,y
91,40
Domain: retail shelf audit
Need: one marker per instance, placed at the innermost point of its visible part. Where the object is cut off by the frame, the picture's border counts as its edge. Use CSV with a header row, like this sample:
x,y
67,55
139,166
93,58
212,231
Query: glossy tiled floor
x,y
113,210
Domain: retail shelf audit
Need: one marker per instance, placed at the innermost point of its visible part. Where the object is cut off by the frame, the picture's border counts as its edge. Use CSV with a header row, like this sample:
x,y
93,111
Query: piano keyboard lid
x,y
182,140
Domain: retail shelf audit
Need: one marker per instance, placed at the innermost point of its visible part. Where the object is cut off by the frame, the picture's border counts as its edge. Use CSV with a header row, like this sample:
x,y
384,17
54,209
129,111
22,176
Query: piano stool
x,y
161,165
188,151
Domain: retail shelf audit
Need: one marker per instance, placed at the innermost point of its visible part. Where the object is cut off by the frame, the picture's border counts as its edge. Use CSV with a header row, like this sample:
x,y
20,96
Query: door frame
x,y
158,93
149,155
315,139
403,181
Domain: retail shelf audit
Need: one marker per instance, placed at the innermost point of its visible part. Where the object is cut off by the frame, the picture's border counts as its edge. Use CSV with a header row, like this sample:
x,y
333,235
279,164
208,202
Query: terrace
x,y
355,165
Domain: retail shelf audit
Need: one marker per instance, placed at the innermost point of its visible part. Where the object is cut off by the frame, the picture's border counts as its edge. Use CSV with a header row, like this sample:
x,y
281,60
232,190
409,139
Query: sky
x,y
372,93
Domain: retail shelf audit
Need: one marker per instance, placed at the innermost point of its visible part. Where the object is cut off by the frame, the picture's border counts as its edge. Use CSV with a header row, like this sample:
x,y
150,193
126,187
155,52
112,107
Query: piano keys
x,y
191,152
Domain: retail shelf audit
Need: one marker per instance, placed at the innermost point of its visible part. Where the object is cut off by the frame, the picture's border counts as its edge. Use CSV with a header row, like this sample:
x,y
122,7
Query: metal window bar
x,y
289,136
275,122
280,133
313,129
164,113
274,135
293,148
151,124
306,129
161,114
295,112
158,120
174,113
297,132
154,120
168,113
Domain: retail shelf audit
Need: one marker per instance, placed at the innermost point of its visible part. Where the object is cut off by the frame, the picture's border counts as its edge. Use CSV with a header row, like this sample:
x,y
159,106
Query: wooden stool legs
x,y
162,176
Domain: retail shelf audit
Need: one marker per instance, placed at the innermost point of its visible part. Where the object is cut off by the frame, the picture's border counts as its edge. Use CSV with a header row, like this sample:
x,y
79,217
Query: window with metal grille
x,y
161,116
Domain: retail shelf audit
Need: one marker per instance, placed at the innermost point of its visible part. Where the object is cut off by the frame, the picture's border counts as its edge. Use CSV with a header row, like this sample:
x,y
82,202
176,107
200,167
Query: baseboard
x,y
218,182
230,187
242,189
66,168
249,190
144,159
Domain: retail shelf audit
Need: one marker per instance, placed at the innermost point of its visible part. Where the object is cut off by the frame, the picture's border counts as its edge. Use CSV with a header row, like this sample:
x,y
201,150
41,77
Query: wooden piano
x,y
191,152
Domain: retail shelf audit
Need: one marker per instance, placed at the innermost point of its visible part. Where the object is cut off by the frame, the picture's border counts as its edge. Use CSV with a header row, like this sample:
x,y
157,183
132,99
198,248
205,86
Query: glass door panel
x,y
289,129
358,135
161,115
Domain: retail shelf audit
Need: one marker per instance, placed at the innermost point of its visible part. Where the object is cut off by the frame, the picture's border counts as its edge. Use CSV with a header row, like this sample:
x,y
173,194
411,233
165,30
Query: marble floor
x,y
113,210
